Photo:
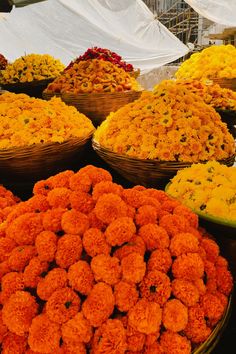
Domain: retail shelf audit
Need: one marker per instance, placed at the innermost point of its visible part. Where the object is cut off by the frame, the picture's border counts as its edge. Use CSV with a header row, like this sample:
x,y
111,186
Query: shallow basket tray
x,y
226,83
33,88
150,173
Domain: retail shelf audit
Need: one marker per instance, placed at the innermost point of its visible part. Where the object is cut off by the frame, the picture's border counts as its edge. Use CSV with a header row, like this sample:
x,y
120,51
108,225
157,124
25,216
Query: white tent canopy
x,y
66,28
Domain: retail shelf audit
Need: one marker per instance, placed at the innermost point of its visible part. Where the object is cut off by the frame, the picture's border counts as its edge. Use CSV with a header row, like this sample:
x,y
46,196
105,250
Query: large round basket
x,y
33,88
226,83
97,106
229,117
151,173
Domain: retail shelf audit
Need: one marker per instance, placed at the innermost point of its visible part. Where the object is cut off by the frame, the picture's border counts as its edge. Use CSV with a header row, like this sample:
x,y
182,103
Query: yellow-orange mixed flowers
x,y
207,188
26,121
218,61
169,124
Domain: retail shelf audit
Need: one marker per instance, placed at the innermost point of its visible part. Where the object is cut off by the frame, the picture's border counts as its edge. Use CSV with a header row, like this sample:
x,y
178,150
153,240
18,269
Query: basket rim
x,y
94,94
27,84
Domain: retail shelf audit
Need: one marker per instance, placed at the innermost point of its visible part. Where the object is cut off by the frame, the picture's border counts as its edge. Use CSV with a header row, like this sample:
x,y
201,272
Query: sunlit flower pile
x,y
171,124
207,188
212,94
93,76
218,61
7,200
26,121
32,67
91,267
3,62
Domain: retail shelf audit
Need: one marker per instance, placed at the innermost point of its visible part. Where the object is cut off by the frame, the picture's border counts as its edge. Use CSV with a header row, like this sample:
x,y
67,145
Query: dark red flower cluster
x,y
102,54
90,267
3,62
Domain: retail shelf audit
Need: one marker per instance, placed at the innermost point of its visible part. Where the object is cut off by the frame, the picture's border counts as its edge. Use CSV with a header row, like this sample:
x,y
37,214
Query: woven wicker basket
x,y
33,88
226,83
150,173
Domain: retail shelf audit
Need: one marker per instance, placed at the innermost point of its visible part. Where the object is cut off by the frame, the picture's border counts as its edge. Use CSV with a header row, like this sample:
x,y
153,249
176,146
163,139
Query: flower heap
x,y
213,62
89,266
7,201
93,76
26,121
102,54
170,124
32,67
3,62
207,188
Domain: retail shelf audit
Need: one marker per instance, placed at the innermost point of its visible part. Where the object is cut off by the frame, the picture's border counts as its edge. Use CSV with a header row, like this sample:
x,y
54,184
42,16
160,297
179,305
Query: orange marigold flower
x,y
74,222
154,236
106,268
52,219
224,280
33,271
223,298
38,203
195,232
120,231
185,291
99,304
133,268
69,250
170,205
106,187
94,242
211,248
196,329
188,266
134,197
62,305
44,335
135,340
42,187
212,307
61,179
25,228
46,245
174,315
18,210
77,330
80,181
14,344
110,207
199,283
174,224
183,243
182,210
146,214
110,338
155,348
159,195
136,244
156,287
59,197
126,296
96,174
11,282
174,343
3,328
55,279
18,312
145,316
82,202
72,348
95,222
151,338
20,257
4,268
221,262
81,277
160,260
6,246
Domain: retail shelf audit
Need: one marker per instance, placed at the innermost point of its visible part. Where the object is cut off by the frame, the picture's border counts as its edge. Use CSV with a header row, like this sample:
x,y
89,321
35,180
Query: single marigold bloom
x,y
151,338
135,340
95,222
105,187
188,266
133,268
202,253
4,268
174,224
136,244
110,207
146,214
170,205
211,248
18,312
185,291
126,296
159,195
96,174
42,187
20,257
106,268
212,307
155,348
183,243
81,277
3,328
174,343
62,305
223,298
33,271
82,202
196,330
182,210
195,232
160,260
145,316
44,335
199,283
174,315
11,282
52,219
55,279
46,246
154,237
221,262
13,343
73,348
99,304
25,228
110,338
134,197
156,287
6,246
18,210
80,181
139,188
69,250
224,280
59,197
94,242
77,330
74,222
61,179
120,231
38,203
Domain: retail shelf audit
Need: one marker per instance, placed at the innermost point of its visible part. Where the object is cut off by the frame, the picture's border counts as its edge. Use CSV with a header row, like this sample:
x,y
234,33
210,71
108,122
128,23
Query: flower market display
x,y
207,188
93,76
32,67
3,62
90,267
102,54
26,121
169,124
217,61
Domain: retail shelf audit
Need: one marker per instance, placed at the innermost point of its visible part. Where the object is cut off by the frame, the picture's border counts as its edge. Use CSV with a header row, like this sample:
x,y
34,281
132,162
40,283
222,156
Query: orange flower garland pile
x,y
97,268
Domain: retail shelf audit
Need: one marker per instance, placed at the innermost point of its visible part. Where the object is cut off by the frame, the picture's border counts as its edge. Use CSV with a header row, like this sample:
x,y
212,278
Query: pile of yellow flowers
x,y
207,188
169,124
217,61
32,67
212,94
93,76
26,121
